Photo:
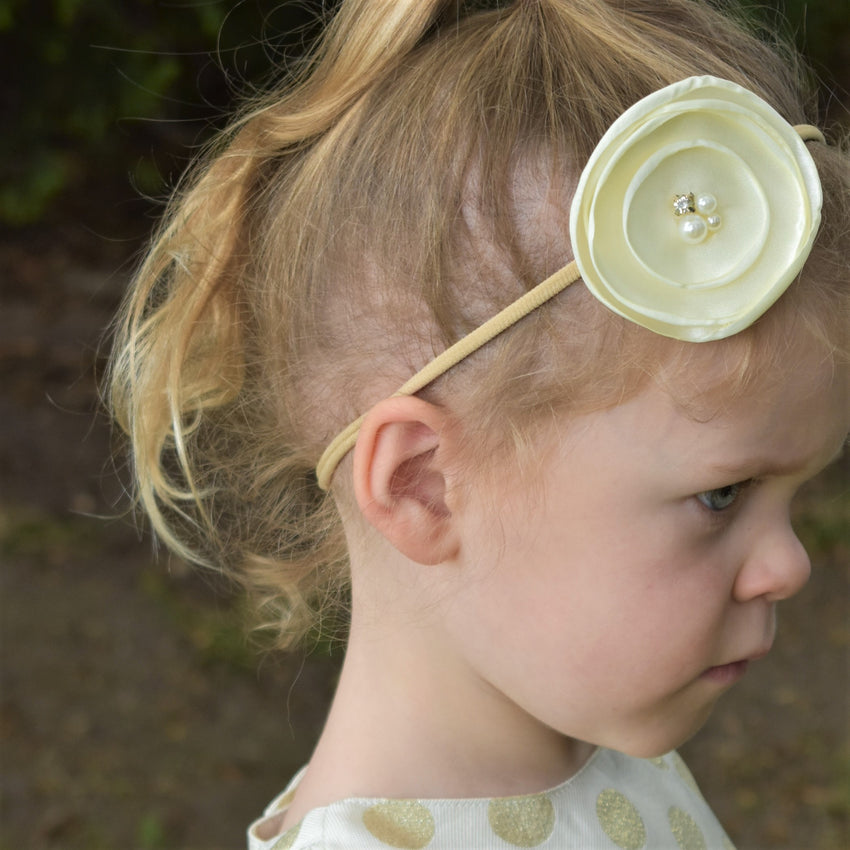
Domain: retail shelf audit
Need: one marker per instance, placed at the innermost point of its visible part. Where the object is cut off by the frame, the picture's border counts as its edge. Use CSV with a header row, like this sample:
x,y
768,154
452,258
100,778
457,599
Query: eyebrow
x,y
749,467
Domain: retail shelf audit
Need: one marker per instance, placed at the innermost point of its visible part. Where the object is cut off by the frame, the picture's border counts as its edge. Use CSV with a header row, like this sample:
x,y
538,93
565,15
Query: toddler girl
x,y
613,254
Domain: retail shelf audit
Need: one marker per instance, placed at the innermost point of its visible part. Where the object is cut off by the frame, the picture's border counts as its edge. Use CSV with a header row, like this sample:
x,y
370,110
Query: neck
x,y
410,720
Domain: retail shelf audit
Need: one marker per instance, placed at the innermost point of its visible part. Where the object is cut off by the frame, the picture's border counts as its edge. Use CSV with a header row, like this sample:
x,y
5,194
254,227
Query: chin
x,y
659,738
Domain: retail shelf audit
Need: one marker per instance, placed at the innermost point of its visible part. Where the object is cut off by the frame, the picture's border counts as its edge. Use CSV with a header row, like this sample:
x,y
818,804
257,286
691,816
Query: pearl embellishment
x,y
693,229
706,204
696,215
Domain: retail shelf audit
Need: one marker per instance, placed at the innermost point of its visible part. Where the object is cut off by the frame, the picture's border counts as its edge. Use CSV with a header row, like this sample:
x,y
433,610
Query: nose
x,y
778,566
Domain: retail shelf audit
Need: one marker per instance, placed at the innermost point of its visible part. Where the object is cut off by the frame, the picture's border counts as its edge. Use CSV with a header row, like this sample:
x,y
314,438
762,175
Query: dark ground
x,y
135,714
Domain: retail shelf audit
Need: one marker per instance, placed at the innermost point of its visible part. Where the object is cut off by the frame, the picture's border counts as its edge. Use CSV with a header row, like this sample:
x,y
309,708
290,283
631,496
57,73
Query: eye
x,y
722,498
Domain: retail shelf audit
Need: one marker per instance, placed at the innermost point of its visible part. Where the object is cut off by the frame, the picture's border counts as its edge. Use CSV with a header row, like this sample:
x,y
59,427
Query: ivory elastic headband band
x,y
810,133
506,318
540,294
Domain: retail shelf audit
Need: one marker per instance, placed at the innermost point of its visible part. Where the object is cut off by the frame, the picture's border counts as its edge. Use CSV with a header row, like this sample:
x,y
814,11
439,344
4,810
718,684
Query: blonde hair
x,y
411,180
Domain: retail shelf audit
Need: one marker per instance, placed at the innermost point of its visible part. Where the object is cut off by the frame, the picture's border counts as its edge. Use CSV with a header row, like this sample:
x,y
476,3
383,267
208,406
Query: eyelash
x,y
731,492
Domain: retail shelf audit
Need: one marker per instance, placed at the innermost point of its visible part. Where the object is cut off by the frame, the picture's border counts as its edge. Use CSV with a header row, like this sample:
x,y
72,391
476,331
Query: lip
x,y
727,674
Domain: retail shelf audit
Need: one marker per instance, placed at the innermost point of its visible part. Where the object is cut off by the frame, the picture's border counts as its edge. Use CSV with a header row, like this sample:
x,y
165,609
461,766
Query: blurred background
x,y
135,709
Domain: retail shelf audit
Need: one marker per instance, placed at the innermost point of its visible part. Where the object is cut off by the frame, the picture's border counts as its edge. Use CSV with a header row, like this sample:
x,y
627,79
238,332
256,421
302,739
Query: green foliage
x,y
27,533
151,833
821,28
92,88
213,628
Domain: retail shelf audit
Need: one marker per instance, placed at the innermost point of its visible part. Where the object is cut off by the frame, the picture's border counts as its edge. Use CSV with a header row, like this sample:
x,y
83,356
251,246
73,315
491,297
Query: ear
x,y
400,482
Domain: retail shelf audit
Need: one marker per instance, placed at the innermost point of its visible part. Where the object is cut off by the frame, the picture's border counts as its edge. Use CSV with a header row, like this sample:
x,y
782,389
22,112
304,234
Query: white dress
x,y
614,801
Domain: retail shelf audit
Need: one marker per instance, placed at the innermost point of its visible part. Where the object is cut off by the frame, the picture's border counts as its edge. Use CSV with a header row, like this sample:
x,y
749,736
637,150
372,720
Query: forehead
x,y
782,354
784,418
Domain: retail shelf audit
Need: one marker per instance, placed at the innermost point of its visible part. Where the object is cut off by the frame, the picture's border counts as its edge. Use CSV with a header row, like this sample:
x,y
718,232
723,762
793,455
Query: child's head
x,y
617,597
415,180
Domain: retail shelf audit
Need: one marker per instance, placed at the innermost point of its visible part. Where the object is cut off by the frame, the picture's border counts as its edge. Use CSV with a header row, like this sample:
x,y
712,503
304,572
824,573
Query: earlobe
x,y
400,482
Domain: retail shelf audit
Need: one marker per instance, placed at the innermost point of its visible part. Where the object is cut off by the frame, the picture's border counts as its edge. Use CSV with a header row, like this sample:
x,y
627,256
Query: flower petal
x,y
747,213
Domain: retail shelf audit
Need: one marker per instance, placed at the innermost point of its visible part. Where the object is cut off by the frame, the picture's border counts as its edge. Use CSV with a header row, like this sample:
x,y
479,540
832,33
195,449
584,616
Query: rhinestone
x,y
684,204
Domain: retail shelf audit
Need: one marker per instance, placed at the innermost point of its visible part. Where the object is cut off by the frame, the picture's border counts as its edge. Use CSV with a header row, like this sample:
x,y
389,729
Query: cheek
x,y
660,611
580,589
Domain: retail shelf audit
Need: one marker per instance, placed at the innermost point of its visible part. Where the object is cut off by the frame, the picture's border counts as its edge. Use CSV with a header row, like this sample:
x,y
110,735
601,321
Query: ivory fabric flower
x,y
695,212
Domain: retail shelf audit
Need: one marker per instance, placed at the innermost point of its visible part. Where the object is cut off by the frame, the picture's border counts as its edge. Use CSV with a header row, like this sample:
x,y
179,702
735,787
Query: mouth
x,y
726,674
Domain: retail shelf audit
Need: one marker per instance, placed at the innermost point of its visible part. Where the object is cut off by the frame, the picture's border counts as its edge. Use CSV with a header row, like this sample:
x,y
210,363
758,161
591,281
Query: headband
x,y
695,212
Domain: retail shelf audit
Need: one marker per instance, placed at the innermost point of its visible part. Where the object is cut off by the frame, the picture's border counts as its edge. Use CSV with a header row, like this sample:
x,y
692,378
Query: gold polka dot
x,y
287,839
620,820
522,821
685,830
687,776
659,763
400,823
